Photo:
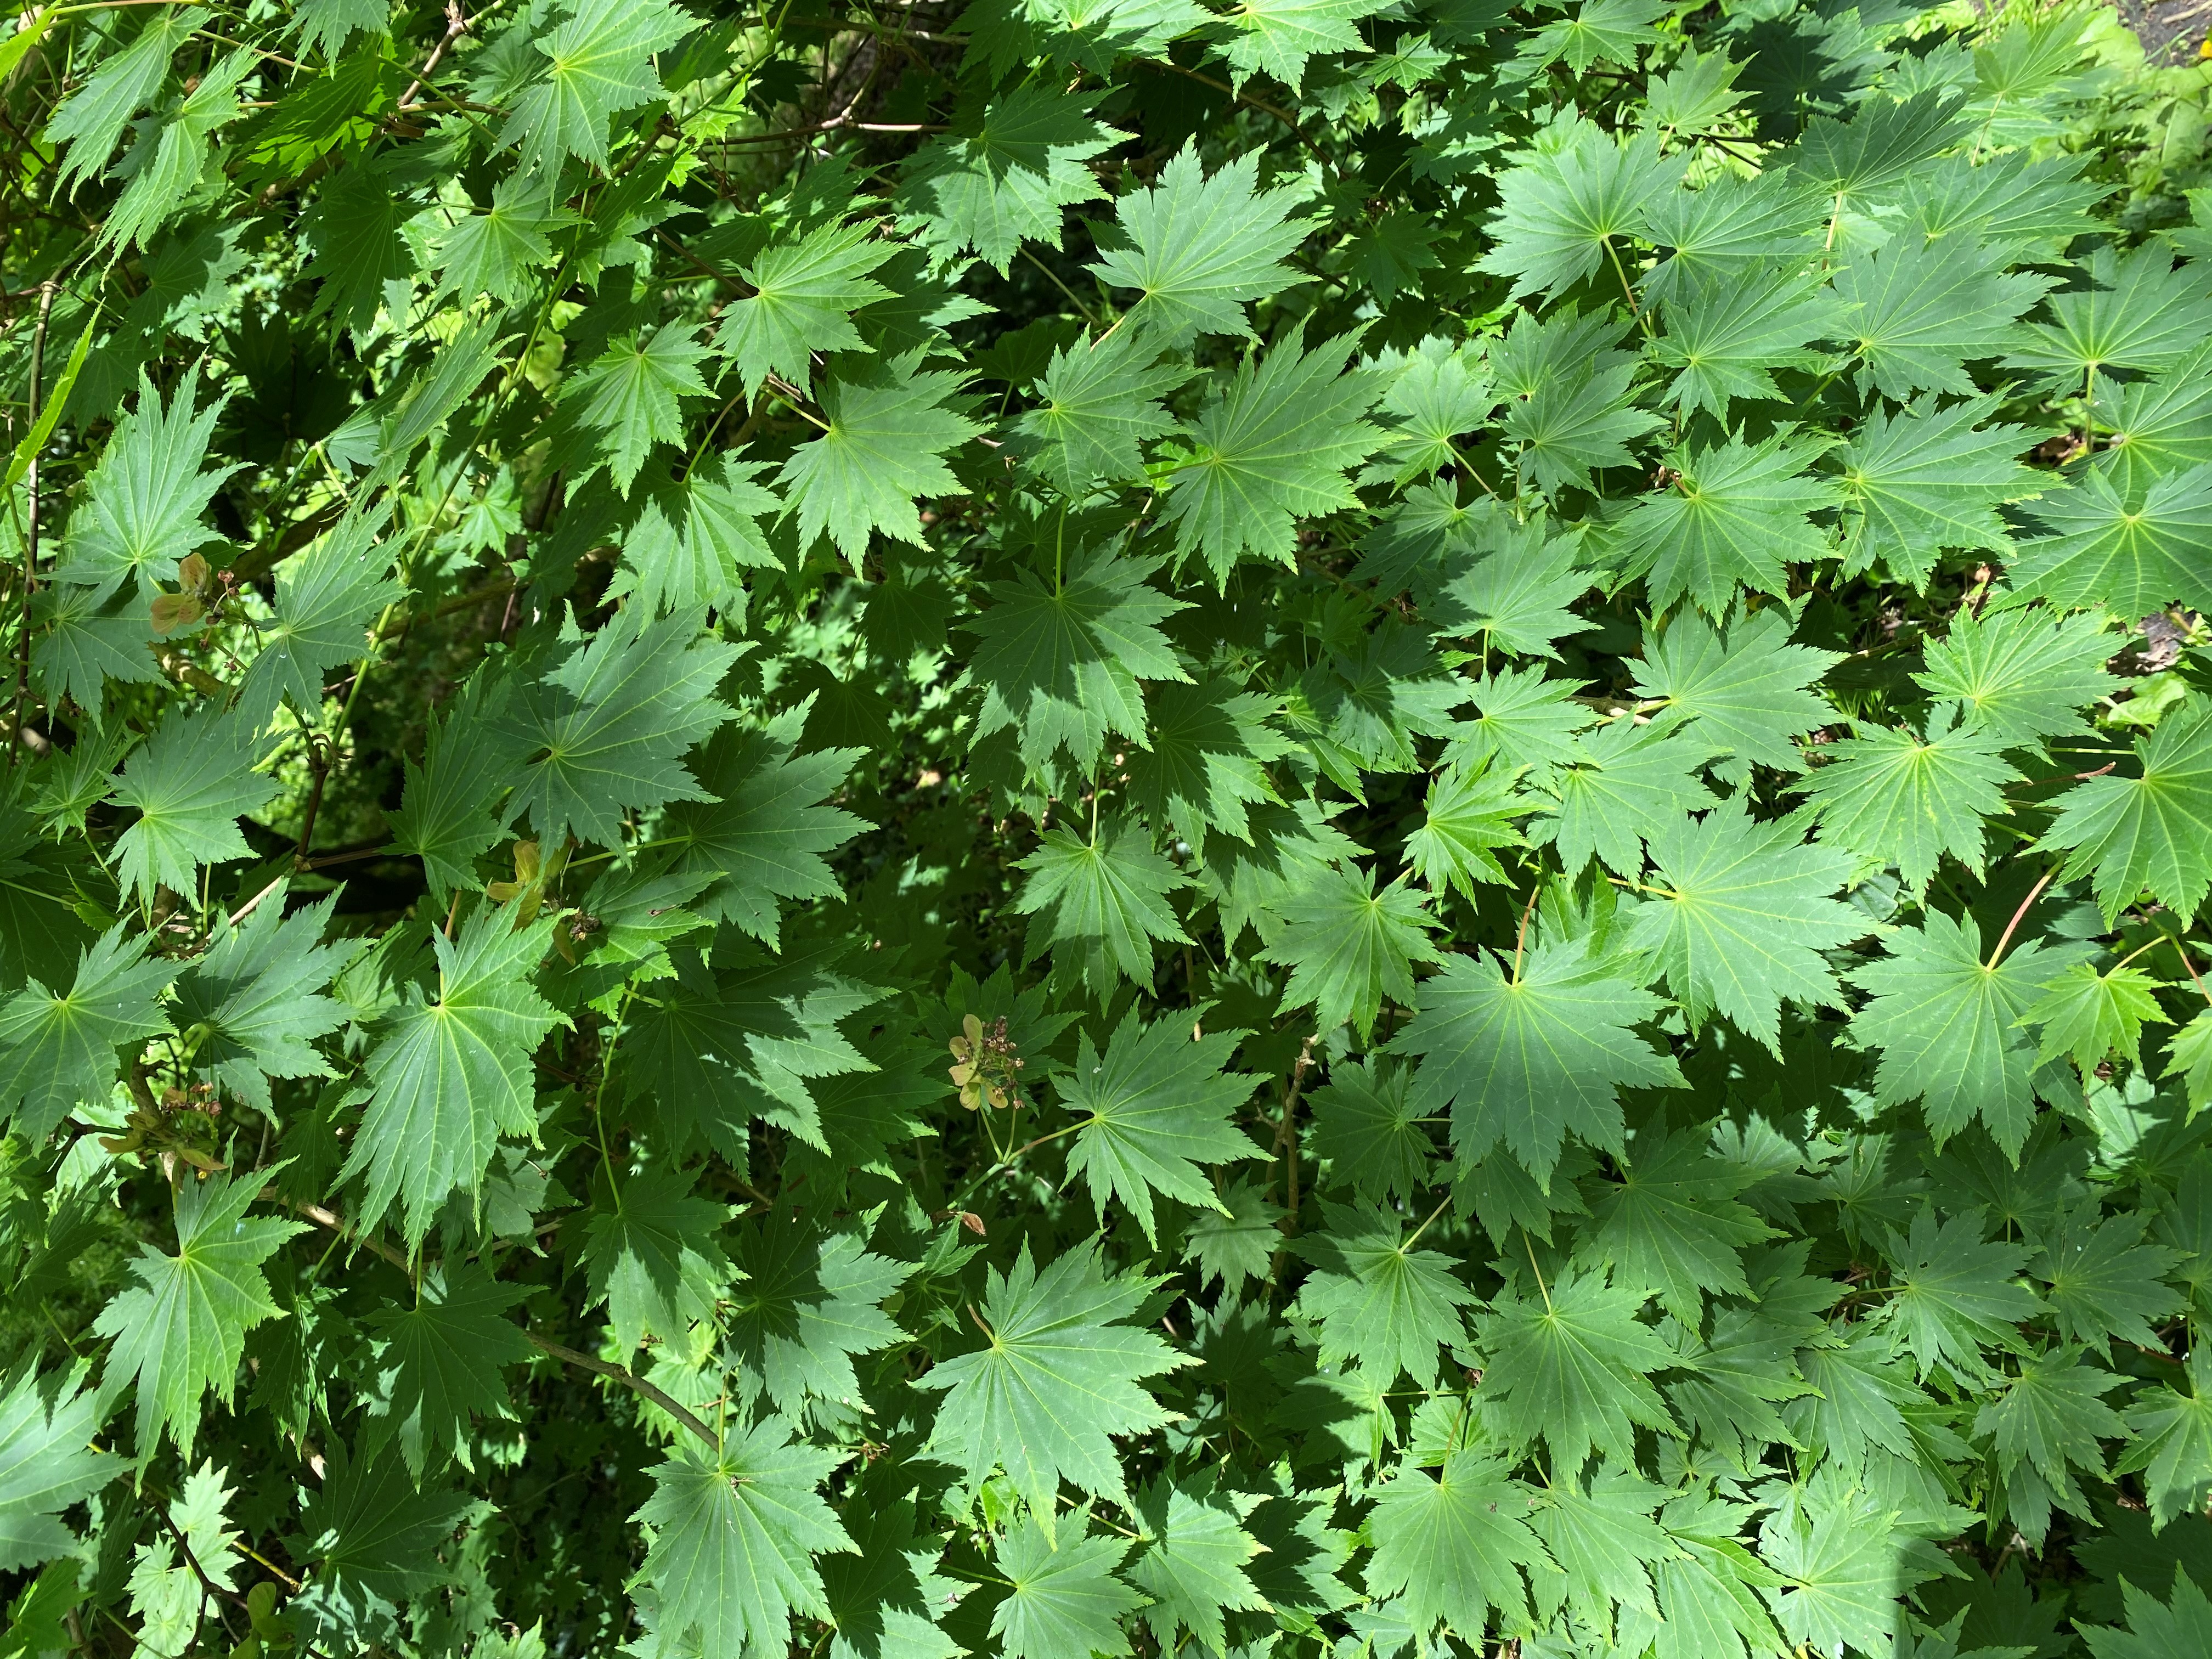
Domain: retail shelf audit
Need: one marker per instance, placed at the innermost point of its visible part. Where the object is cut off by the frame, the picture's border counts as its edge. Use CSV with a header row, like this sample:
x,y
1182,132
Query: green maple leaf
x,y
1860,162
2021,675
1579,419
191,782
58,1050
1928,479
885,1595
1847,1575
1057,1381
1516,595
1194,1557
1731,222
1468,815
692,542
1239,1241
82,641
1735,516
1369,1133
1951,1293
761,837
2173,1448
92,119
354,229
2051,1417
1603,30
2029,206
1948,1024
179,1331
47,1424
1153,1107
2102,1281
2089,1015
887,433
1727,330
1624,779
443,1358
655,1258
806,1304
611,725
448,815
450,1075
370,1533
803,295
1574,1368
253,1004
1740,913
1096,403
1747,688
327,595
2130,553
599,63
1566,205
499,250
735,1532
1269,448
1107,897
1531,1055
2171,1629
2160,424
1522,720
1351,947
2136,313
1204,762
1923,311
1454,1545
1606,1542
1439,394
1894,797
632,395
144,501
1279,38
1059,666
1065,1597
1197,247
2150,830
1673,1222
1006,171
1378,1300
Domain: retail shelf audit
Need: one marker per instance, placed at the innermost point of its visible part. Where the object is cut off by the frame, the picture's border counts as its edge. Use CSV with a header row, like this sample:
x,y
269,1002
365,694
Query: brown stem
x,y
2034,893
1287,1134
319,761
636,1384
457,24
31,516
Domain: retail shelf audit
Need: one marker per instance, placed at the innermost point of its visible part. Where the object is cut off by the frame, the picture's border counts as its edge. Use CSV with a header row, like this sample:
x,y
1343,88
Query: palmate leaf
x,y
1204,762
610,723
1096,406
1515,595
1747,689
632,395
1672,1223
1057,1381
1623,779
1468,817
1272,448
1106,897
1735,516
1572,1366
191,782
2133,554
803,295
1279,38
2102,1282
2151,831
735,1535
1531,1051
1065,1597
253,1003
1923,310
59,1049
2158,424
598,64
1738,916
1456,1544
1948,1024
805,1305
451,1074
47,1463
1605,1541
1006,171
884,445
1379,1301
1194,1558
2021,675
1891,796
327,596
1350,946
2136,311
1927,480
1154,1106
1060,664
1198,247
1955,1291
652,1255
2170,1629
1370,1132
443,1359
1570,201
144,502
1727,331
2173,1448
181,1330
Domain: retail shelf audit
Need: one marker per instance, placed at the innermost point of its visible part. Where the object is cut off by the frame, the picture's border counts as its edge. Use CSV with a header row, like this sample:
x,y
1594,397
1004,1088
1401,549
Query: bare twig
x,y
457,25
31,513
645,1390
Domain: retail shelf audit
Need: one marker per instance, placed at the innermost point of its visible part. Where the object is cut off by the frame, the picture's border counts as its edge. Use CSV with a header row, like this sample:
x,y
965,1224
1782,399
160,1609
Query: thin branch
x,y
637,1385
46,291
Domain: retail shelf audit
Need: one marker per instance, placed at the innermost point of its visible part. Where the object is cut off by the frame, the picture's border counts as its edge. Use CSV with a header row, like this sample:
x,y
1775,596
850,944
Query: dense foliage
x,y
1341,827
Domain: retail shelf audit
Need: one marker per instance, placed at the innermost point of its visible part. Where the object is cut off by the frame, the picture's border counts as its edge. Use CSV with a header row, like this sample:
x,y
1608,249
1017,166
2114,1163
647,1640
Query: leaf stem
x,y
2026,904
